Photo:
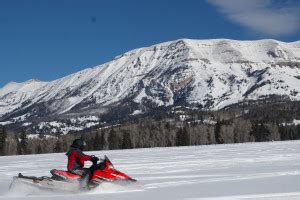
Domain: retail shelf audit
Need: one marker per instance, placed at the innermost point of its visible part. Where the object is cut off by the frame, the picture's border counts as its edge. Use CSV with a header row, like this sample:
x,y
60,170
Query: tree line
x,y
151,133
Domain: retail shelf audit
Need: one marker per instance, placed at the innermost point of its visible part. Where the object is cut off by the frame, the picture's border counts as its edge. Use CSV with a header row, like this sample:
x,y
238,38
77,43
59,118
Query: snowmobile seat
x,y
64,175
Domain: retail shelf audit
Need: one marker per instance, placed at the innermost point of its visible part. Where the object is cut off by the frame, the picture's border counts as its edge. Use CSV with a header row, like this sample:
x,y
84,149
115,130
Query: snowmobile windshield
x,y
106,159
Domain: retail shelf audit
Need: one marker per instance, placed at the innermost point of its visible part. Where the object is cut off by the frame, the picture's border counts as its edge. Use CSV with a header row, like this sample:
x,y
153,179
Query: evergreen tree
x,y
23,145
113,140
2,140
218,137
182,137
103,141
168,126
18,145
96,145
126,142
260,132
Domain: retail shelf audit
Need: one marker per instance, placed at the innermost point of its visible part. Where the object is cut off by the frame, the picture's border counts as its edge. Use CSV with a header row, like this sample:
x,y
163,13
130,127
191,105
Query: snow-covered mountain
x,y
207,73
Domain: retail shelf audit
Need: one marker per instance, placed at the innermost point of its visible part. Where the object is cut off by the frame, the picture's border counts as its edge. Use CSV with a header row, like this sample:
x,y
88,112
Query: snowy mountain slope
x,y
235,171
210,73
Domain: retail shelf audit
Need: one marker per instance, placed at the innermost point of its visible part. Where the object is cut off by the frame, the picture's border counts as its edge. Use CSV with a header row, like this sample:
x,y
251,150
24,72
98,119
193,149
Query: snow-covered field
x,y
237,171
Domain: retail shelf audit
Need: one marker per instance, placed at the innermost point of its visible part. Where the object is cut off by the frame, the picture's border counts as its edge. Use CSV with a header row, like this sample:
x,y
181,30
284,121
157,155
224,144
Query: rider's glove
x,y
94,159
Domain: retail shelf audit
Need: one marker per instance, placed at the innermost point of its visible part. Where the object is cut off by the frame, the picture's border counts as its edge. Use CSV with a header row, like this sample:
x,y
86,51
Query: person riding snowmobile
x,y
76,159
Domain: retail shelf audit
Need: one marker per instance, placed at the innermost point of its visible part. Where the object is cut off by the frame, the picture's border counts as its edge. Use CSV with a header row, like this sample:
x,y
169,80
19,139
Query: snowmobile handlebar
x,y
94,159
100,163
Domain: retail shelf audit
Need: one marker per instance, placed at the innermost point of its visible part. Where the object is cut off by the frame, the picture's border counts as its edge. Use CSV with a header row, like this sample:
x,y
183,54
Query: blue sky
x,y
48,39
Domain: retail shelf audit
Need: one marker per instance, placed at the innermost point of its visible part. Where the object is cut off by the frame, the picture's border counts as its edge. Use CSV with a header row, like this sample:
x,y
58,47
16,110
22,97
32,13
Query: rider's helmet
x,y
79,143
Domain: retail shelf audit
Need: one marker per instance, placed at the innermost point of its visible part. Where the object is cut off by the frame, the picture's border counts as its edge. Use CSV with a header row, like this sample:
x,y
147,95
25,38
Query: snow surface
x,y
217,172
6,123
295,122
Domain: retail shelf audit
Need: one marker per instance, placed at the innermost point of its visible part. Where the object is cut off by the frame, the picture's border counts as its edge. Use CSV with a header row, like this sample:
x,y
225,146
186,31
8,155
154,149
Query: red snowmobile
x,y
103,171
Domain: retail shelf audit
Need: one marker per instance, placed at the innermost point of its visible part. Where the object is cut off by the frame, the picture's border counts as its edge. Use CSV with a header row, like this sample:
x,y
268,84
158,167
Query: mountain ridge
x,y
214,73
297,42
